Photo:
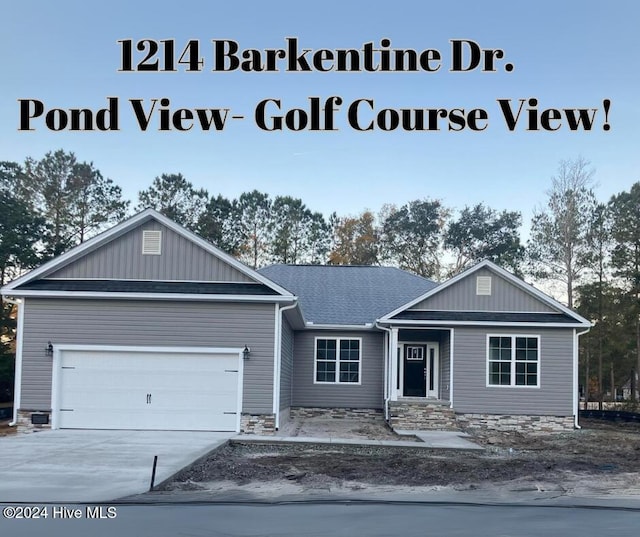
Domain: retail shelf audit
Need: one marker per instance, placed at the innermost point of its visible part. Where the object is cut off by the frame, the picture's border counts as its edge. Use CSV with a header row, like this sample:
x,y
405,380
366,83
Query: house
x,y
624,393
148,326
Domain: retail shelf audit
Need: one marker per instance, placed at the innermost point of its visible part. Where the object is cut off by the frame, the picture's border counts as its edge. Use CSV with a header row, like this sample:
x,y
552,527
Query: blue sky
x,y
570,54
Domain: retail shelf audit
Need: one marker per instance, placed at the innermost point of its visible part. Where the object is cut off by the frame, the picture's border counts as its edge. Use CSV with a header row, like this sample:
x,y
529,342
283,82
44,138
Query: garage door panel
x,y
148,390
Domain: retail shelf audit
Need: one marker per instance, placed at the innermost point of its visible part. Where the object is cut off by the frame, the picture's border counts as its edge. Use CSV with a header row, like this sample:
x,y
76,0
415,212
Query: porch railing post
x,y
393,363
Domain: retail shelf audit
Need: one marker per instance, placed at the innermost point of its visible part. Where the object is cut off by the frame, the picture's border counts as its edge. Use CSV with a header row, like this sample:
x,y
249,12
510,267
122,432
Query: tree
x,y
218,224
97,202
412,237
290,219
11,177
73,197
625,211
355,240
319,239
609,307
20,232
558,248
299,235
483,233
176,198
599,246
253,213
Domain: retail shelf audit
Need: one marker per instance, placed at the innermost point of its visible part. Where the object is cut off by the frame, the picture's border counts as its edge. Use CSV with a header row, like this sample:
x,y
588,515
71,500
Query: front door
x,y
415,371
419,370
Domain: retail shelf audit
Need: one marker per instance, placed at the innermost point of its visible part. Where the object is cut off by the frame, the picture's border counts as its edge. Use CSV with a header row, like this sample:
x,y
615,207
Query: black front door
x,y
414,371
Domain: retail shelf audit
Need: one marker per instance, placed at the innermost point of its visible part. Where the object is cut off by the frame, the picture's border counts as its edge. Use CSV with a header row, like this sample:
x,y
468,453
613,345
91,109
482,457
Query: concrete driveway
x,y
94,466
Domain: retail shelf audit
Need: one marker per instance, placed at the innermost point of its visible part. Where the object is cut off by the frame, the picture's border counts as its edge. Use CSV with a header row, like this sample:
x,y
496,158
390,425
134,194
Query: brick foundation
x,y
529,424
262,424
24,421
335,413
421,415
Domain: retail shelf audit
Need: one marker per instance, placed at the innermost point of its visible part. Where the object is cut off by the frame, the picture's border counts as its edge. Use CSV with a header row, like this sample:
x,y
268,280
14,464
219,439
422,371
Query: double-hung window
x,y
513,360
337,361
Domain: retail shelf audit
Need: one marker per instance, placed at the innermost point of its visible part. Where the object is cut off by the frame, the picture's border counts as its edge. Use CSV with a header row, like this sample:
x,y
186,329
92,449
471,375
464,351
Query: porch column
x,y
393,363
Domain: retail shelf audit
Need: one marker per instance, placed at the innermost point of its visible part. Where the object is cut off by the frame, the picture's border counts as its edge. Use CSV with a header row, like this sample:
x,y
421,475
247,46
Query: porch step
x,y
422,414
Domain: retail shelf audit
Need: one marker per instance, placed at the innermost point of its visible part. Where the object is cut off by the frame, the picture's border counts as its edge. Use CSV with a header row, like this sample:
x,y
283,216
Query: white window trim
x,y
513,361
401,346
337,381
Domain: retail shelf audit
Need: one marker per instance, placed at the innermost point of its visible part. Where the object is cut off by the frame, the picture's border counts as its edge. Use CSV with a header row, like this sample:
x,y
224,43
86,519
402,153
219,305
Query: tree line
x,y
592,247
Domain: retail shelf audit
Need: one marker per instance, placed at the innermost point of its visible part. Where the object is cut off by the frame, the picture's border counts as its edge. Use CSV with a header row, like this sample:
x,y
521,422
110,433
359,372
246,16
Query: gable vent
x,y
151,242
483,285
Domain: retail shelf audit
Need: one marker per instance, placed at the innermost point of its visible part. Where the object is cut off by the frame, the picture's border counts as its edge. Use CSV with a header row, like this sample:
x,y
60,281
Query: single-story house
x,y
148,326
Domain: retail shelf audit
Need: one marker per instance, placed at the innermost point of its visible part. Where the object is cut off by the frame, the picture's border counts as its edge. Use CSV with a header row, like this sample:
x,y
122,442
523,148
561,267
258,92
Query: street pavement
x,y
335,519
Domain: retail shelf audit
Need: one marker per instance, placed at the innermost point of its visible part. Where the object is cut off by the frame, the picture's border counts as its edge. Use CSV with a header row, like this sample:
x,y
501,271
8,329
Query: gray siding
x,y
286,367
445,363
554,396
152,323
461,296
369,394
122,259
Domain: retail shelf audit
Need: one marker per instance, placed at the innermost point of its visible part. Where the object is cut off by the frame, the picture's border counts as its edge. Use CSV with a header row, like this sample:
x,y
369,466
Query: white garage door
x,y
147,390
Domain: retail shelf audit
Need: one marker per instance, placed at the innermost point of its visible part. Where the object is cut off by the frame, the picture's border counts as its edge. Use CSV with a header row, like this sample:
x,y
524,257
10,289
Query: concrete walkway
x,y
94,466
427,440
443,439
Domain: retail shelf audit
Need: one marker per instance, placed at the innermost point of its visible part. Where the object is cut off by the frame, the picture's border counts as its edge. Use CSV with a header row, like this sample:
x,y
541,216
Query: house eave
x,y
402,322
149,296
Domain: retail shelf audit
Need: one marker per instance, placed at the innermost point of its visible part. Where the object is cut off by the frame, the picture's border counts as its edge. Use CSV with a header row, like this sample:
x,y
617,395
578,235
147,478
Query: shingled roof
x,y
347,295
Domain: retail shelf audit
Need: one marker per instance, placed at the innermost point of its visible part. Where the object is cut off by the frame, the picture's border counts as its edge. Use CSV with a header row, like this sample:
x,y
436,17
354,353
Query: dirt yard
x,y
601,454
5,429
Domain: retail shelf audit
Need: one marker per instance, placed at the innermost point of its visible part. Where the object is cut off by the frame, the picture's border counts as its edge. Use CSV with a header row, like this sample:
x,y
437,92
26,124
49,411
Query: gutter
x,y
365,326
575,377
17,379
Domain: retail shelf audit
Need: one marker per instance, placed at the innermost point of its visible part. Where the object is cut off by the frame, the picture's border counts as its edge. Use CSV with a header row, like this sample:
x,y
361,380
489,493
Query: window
x,y
513,360
337,361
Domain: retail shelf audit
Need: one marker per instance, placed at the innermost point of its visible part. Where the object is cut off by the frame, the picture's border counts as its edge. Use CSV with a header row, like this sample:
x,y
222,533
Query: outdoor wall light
x,y
246,352
48,350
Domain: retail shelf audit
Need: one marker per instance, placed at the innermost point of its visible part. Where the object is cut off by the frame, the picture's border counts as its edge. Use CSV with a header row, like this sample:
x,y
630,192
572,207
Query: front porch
x,y
418,379
418,364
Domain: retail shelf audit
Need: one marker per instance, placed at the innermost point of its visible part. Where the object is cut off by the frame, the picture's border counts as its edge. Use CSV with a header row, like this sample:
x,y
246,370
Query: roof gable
x,y
123,259
509,295
116,254
504,295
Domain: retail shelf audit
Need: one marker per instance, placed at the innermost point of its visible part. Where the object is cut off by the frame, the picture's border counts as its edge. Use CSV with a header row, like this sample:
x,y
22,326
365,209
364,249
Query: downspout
x,y
17,381
386,391
576,409
278,363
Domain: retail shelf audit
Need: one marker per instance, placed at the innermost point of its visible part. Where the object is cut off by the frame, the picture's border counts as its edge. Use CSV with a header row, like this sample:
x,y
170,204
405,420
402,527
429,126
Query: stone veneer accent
x,y
263,424
24,421
337,413
529,424
421,415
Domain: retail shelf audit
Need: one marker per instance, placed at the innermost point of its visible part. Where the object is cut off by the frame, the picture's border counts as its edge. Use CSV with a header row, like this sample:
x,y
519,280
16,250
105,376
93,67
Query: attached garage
x,y
197,389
